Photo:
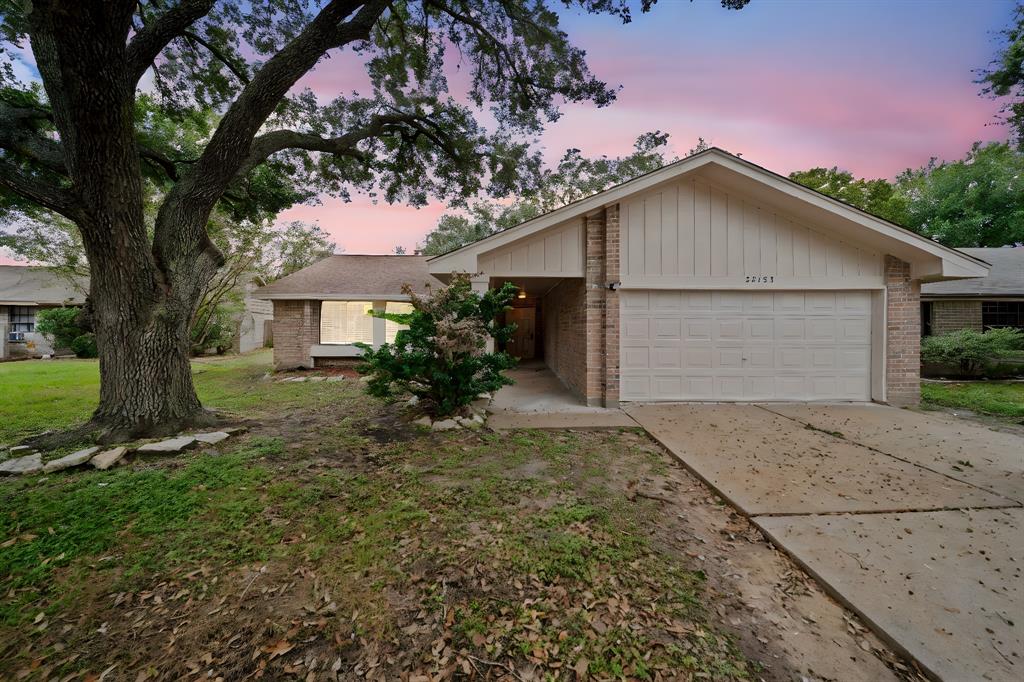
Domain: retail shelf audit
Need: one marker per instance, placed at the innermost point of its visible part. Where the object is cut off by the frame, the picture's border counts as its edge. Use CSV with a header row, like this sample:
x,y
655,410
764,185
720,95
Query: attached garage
x,y
733,345
713,279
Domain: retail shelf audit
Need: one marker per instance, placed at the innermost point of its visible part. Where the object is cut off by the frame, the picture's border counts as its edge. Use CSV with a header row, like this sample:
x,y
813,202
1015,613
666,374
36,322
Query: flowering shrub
x,y
442,358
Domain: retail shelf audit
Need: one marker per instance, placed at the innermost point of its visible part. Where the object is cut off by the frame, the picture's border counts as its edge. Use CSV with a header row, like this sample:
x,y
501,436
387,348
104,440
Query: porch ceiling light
x,y
522,293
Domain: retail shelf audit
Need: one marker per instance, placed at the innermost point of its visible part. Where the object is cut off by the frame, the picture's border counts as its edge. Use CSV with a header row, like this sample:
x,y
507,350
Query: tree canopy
x,y
204,99
971,202
571,179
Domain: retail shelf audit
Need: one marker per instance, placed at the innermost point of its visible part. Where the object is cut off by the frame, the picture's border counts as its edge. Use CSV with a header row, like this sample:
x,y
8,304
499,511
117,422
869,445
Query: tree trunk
x,y
142,318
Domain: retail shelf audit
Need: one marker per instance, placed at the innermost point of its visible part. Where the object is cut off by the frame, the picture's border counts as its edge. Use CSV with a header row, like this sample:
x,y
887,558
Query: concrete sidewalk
x,y
913,523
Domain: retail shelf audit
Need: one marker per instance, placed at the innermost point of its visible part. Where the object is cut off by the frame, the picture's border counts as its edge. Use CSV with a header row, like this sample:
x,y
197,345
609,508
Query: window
x,y
926,318
392,328
22,318
1002,314
346,322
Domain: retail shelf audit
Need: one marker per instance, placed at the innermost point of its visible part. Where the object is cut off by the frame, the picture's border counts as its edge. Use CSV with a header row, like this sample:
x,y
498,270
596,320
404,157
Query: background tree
x,y
573,178
82,146
975,201
878,197
296,246
1006,76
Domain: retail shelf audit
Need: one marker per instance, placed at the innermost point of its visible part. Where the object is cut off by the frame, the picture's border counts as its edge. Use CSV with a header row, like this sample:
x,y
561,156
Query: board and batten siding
x,y
693,235
555,252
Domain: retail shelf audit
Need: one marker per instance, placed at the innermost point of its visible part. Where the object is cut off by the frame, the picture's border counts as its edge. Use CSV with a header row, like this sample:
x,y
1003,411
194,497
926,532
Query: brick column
x,y
594,308
611,308
903,334
296,328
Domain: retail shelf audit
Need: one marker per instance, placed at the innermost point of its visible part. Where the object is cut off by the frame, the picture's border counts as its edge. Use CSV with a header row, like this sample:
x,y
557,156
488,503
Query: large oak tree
x,y
81,148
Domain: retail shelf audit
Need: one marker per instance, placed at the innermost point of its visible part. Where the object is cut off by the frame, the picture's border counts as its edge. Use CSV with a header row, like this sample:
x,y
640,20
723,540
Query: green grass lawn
x,y
335,536
987,397
40,395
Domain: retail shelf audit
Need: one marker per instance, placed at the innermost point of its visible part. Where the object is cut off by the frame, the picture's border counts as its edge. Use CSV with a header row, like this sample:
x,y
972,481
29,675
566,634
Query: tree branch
x,y
270,143
47,195
238,71
155,36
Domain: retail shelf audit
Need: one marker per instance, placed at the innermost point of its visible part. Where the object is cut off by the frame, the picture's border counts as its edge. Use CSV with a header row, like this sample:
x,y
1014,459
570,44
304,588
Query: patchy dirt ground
x,y
335,541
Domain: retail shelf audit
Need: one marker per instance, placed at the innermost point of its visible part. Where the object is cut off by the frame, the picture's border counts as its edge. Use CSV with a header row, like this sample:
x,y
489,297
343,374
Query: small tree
x,y
970,350
65,329
441,358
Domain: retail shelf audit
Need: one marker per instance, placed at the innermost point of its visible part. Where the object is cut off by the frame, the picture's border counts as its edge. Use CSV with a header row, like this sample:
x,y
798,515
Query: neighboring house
x,y
24,291
322,311
715,279
254,324
993,301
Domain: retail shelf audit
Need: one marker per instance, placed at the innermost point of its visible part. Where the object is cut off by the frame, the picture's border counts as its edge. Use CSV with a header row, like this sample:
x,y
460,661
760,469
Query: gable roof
x,y
33,285
353,278
1005,278
905,242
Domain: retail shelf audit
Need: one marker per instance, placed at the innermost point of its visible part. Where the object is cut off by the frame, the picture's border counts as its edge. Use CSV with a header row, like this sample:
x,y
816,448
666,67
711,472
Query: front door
x,y
522,344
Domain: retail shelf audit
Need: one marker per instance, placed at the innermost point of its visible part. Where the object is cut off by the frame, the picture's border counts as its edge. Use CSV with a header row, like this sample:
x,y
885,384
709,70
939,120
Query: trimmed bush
x,y
441,357
971,350
65,330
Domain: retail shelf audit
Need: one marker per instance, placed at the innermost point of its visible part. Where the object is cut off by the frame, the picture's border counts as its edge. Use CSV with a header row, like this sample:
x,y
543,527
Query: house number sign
x,y
759,279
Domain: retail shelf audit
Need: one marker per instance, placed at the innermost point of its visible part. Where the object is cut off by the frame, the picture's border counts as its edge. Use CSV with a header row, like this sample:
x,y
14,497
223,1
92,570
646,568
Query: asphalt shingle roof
x,y
356,277
1006,278
30,285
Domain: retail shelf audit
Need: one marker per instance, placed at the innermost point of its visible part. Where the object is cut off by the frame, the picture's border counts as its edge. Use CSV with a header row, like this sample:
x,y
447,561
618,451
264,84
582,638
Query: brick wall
x,y
611,328
949,316
903,334
595,280
565,347
296,328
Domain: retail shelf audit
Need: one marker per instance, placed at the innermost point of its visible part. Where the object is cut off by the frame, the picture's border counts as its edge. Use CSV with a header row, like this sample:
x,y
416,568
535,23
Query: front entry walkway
x,y
913,521
539,400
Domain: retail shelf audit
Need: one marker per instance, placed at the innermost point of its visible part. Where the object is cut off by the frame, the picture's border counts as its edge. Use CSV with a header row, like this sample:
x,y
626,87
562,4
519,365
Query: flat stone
x,y
336,378
319,378
68,461
445,425
170,445
29,464
108,458
232,430
212,437
21,450
297,379
422,421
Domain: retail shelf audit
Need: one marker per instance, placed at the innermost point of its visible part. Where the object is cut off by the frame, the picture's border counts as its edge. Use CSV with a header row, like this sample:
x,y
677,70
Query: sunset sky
x,y
874,86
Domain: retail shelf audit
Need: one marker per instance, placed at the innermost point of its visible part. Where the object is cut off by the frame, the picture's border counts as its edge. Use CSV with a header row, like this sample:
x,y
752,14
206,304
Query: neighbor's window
x,y
392,328
22,318
1002,314
346,322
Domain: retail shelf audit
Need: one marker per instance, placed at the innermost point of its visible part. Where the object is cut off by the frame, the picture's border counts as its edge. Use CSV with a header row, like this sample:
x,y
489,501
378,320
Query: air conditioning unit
x,y
15,336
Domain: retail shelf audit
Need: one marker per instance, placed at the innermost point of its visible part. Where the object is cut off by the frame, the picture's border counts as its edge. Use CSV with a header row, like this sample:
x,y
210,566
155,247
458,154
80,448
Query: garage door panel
x,y
697,301
761,328
746,345
636,328
667,328
666,357
698,358
730,329
697,329
760,358
636,357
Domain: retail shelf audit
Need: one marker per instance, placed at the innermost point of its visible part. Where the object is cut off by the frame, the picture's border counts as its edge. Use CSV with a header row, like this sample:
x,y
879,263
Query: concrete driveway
x,y
914,521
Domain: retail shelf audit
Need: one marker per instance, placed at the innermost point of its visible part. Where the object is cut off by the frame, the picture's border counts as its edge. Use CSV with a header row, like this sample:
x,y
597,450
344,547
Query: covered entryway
x,y
746,345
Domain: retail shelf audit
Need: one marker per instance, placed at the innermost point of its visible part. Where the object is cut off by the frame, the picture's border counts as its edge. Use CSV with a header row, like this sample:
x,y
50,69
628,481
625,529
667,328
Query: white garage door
x,y
740,345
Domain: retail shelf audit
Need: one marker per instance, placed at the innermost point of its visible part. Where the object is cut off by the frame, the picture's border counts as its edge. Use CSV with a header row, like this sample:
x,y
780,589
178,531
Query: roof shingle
x,y
354,278
1006,278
